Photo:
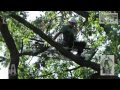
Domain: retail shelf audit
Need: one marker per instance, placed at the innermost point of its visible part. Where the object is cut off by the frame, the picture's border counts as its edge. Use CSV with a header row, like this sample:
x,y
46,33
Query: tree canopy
x,y
30,48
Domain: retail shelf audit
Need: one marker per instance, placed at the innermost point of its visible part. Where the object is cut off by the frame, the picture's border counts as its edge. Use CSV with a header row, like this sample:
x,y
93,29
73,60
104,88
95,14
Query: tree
x,y
27,41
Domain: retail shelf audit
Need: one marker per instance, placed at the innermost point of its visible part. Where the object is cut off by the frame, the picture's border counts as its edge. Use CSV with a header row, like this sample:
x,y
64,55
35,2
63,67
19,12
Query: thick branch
x,y
14,54
56,45
84,14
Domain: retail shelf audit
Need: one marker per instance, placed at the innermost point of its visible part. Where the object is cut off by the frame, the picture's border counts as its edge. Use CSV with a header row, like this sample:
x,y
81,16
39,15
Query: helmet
x,y
73,20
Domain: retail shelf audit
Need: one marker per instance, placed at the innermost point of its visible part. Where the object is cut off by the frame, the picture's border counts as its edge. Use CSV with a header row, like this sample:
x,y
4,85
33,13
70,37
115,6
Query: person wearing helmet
x,y
69,36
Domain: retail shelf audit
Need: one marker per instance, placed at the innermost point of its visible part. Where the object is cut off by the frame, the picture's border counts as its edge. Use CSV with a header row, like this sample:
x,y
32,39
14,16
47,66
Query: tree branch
x,y
84,14
64,52
34,53
14,54
92,55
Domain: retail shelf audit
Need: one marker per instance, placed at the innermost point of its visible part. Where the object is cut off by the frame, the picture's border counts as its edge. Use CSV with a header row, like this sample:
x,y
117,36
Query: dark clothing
x,y
69,36
75,45
69,33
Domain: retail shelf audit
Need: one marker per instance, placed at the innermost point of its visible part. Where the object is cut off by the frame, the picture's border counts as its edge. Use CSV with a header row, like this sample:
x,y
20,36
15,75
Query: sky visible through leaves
x,y
4,71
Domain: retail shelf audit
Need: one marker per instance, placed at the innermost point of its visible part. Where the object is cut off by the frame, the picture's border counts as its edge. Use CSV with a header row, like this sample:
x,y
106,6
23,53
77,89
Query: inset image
x,y
108,18
107,65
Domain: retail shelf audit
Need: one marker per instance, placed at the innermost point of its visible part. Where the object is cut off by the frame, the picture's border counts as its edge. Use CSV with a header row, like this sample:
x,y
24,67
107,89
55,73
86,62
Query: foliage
x,y
50,64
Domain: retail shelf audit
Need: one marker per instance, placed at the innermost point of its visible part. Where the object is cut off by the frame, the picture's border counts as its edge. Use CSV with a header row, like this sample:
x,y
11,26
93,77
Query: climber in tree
x,y
69,37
